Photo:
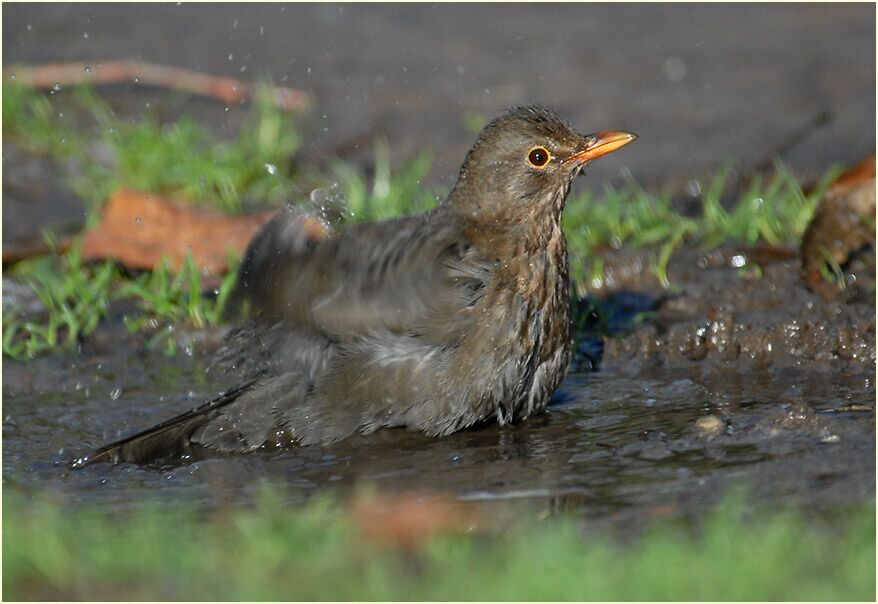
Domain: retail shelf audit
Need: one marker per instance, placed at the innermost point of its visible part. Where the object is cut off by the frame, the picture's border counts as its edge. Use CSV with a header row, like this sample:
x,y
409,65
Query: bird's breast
x,y
528,309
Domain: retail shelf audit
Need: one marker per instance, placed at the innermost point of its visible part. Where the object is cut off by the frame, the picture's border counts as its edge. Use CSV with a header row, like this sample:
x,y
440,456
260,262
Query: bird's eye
x,y
538,157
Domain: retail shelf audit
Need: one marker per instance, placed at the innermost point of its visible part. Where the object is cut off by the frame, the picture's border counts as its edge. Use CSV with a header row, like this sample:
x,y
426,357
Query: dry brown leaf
x,y
139,229
863,171
843,223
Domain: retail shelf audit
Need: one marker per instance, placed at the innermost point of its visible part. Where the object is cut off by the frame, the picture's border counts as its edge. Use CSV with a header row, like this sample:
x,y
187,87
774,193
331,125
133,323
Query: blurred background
x,y
700,84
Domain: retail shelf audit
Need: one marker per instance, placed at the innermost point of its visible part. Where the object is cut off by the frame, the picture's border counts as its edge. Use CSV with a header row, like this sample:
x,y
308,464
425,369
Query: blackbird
x,y
435,321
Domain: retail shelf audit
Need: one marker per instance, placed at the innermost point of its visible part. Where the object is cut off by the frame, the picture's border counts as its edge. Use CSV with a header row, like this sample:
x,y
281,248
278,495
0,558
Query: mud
x,y
743,307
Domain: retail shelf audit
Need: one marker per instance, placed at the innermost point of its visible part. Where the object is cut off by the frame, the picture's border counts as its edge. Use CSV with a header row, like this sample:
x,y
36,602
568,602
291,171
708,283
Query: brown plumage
x,y
435,321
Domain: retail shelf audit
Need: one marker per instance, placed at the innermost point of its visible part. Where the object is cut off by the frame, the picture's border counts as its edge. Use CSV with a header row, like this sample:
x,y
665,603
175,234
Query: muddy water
x,y
655,430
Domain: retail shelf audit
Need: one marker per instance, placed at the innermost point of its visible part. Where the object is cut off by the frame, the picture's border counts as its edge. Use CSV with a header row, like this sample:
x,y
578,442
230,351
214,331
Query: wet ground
x,y
728,378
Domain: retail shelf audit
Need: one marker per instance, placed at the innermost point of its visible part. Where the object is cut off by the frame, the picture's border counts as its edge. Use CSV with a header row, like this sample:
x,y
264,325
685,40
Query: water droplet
x,y
87,69
136,80
231,56
12,76
85,35
30,27
137,220
116,393
271,169
261,30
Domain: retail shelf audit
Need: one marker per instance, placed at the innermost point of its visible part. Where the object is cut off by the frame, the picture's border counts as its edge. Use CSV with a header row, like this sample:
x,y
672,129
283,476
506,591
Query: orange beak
x,y
600,144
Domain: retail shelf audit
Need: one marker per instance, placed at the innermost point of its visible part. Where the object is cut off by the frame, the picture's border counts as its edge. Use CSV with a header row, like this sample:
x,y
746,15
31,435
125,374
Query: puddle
x,y
611,448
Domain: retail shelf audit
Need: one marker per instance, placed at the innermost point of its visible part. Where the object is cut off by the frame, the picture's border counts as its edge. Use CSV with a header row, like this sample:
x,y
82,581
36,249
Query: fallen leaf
x,y
140,229
863,171
843,223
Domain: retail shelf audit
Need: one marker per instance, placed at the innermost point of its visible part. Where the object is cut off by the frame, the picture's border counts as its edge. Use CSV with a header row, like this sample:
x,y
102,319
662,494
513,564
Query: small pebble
x,y
709,425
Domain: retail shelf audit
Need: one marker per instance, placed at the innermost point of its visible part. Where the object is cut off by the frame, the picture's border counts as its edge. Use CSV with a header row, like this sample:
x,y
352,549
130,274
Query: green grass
x,y
259,167
76,296
165,297
773,211
181,158
276,551
391,193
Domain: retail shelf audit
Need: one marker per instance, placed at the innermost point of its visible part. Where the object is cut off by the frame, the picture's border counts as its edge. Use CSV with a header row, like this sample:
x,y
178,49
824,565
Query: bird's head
x,y
522,165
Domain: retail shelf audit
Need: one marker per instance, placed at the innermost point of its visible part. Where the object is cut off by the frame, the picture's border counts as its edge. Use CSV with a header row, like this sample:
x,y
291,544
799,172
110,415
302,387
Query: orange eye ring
x,y
538,157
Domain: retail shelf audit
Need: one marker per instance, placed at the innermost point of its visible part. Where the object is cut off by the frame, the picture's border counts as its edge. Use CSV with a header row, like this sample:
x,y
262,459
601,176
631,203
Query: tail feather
x,y
171,438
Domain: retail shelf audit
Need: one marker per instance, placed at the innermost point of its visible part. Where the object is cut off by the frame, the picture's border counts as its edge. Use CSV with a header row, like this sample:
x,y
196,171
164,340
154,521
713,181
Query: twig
x,y
227,90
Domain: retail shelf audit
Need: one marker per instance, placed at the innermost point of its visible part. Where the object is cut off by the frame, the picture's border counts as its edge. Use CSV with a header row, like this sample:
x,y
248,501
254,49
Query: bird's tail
x,y
165,441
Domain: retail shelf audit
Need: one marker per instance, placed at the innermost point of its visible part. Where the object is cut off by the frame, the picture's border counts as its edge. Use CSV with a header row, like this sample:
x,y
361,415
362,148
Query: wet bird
x,y
435,322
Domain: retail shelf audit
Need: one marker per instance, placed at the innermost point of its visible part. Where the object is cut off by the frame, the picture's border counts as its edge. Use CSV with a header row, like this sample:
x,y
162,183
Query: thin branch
x,y
226,90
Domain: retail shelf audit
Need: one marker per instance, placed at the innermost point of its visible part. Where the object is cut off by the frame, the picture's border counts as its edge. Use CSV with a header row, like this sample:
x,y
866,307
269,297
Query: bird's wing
x,y
401,275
